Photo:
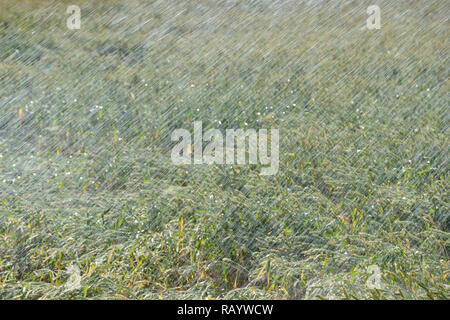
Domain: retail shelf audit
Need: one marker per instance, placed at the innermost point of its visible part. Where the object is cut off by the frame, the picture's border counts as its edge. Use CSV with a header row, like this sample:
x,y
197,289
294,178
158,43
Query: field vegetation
x,y
91,206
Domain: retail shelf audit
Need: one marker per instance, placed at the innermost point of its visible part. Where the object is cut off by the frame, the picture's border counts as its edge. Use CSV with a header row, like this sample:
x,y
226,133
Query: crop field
x,y
93,207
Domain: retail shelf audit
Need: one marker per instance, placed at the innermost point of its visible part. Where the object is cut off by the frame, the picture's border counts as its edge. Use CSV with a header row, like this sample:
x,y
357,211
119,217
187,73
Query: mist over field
x,y
92,205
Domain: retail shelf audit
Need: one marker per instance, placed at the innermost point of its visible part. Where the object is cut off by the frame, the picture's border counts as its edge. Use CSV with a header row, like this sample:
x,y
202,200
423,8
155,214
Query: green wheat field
x,y
92,207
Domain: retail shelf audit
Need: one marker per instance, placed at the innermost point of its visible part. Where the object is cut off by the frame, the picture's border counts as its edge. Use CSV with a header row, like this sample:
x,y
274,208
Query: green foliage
x,y
91,205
